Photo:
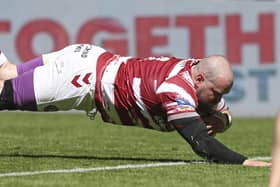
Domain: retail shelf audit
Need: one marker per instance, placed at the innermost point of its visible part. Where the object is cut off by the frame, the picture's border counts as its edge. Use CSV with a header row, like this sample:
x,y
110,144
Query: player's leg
x,y
17,83
66,82
29,65
6,97
42,60
44,88
39,61
18,93
10,71
7,69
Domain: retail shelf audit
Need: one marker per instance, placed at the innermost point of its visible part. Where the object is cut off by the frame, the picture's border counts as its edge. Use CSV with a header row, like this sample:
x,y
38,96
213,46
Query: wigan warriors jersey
x,y
146,92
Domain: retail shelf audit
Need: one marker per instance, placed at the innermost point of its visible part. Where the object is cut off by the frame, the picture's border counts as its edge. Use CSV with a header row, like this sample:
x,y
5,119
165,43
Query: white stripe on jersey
x,y
177,68
137,94
169,87
108,80
171,104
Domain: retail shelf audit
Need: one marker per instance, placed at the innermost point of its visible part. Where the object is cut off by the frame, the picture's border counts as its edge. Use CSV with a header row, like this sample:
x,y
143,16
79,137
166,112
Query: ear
x,y
199,78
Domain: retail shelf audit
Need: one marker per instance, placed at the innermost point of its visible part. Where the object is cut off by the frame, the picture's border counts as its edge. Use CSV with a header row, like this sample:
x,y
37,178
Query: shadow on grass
x,y
98,157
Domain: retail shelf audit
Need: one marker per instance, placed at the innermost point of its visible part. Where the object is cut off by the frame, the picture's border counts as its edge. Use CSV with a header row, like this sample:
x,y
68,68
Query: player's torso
x,y
129,87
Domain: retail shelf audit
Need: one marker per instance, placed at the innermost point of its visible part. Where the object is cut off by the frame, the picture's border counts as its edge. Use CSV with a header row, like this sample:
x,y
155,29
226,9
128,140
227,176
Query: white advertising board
x,y
247,33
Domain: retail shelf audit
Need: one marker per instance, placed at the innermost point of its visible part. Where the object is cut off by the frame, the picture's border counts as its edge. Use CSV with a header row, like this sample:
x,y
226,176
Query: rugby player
x,y
160,93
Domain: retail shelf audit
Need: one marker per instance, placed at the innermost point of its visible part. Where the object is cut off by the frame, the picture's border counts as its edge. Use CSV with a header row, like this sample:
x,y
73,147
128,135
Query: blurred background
x,y
247,32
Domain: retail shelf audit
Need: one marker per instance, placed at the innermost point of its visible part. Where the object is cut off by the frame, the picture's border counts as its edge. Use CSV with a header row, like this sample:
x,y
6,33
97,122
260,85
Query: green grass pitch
x,y
52,141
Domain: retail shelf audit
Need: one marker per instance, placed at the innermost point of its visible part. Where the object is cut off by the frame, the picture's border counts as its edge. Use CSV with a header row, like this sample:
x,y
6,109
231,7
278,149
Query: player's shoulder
x,y
182,79
179,78
178,87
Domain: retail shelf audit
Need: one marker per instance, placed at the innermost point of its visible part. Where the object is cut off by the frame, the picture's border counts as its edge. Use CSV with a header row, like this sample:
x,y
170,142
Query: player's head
x,y
212,77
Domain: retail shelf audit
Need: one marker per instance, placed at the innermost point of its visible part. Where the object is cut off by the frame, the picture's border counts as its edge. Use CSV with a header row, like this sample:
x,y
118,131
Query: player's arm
x,y
193,130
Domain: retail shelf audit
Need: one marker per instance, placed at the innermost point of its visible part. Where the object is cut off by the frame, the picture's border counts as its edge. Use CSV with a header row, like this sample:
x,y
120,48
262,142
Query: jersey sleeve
x,y
178,98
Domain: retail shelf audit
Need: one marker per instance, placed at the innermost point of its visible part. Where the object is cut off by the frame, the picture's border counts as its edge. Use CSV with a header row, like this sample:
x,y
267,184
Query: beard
x,y
205,108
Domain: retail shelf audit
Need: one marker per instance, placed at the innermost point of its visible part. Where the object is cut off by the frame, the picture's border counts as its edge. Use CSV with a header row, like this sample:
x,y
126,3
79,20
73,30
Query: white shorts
x,y
67,80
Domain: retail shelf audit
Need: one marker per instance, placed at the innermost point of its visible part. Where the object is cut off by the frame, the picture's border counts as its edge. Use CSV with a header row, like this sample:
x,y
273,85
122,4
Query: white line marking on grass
x,y
119,167
83,170
263,158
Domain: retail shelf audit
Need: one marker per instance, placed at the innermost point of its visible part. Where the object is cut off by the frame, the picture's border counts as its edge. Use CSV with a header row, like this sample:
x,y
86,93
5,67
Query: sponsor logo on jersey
x,y
184,105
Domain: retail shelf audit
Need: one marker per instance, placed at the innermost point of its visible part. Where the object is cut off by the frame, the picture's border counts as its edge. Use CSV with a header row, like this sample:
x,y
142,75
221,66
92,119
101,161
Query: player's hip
x,y
67,80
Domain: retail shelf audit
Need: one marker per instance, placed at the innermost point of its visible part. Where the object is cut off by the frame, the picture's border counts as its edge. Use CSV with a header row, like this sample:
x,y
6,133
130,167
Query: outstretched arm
x,y
193,130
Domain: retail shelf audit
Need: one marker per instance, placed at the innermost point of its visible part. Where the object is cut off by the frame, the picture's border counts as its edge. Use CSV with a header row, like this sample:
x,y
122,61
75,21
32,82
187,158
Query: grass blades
x,y
50,141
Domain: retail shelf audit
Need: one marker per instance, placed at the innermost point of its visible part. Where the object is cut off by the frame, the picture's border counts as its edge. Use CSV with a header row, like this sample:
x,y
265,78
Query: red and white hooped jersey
x,y
147,92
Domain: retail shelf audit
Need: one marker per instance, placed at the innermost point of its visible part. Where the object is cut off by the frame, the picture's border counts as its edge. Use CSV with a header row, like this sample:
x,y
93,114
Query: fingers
x,y
210,130
256,163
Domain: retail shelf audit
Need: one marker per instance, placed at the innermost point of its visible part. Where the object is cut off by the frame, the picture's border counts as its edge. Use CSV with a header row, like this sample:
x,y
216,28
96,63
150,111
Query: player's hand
x,y
211,130
216,122
214,126
256,163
